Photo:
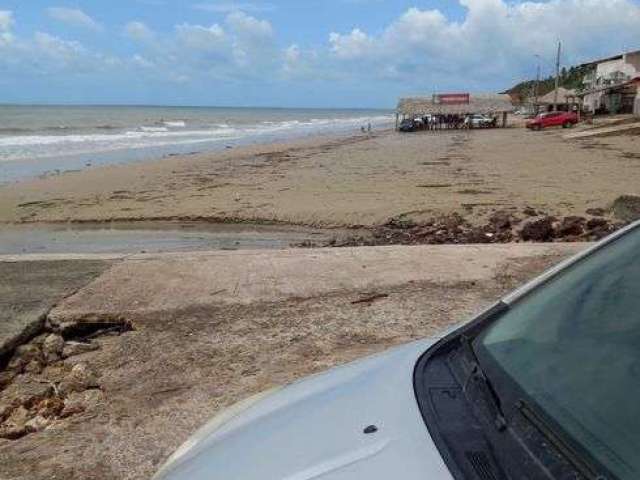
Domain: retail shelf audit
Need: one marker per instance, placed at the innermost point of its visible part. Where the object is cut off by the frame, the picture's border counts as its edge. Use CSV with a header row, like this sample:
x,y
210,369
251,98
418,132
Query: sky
x,y
293,53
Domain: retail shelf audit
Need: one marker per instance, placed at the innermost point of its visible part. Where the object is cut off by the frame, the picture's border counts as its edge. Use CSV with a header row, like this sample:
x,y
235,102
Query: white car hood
x,y
313,429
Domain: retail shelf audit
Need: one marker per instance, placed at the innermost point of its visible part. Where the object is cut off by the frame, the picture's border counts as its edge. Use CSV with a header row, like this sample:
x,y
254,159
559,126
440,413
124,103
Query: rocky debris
x,y
501,227
540,230
530,212
32,404
572,226
596,223
502,220
39,386
626,208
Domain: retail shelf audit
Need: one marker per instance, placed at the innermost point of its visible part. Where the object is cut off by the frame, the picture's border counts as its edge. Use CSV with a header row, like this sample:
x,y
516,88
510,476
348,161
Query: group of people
x,y
443,121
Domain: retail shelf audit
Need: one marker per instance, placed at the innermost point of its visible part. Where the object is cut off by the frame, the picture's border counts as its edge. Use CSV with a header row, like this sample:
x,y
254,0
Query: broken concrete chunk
x,y
37,423
49,407
16,425
34,366
79,379
23,355
52,347
77,348
26,391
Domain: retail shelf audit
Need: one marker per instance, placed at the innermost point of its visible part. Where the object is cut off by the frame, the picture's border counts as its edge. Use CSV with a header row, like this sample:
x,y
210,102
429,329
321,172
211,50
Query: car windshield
x,y
573,348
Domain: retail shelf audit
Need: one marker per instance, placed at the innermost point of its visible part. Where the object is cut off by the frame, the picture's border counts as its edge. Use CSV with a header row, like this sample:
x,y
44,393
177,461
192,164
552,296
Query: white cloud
x,y
142,62
199,38
52,53
73,17
352,45
138,31
228,7
248,27
292,54
6,22
495,40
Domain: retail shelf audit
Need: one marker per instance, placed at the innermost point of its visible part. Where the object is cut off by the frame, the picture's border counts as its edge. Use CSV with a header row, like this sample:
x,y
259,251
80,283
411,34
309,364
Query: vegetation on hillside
x,y
570,79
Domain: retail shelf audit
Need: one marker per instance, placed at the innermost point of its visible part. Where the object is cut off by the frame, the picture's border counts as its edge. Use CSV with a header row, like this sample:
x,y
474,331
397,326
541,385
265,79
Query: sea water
x,y
38,140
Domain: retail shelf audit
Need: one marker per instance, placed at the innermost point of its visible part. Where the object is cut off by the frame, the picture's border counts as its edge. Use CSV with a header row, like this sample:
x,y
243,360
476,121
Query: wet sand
x,y
154,237
345,182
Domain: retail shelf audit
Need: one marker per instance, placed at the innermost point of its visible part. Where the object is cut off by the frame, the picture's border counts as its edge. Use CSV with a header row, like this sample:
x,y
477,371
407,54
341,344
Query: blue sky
x,y
306,53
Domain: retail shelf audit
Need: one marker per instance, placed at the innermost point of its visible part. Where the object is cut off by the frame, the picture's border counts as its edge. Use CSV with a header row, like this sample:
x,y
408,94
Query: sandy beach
x,y
345,182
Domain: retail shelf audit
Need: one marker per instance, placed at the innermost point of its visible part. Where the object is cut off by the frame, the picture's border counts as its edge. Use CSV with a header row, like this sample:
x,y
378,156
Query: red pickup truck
x,y
553,119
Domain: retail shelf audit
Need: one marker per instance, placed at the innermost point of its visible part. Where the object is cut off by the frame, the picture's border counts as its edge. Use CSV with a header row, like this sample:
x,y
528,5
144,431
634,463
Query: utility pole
x,y
536,87
555,95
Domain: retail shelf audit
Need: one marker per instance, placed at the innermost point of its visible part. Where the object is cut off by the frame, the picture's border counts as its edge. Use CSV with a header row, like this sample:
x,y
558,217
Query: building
x,y
455,104
565,100
613,86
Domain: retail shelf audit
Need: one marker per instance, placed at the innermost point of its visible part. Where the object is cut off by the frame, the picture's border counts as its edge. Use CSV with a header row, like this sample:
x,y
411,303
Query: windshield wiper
x,y
488,393
584,465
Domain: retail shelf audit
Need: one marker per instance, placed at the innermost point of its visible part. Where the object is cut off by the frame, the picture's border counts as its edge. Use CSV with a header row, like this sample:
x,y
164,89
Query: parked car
x,y
542,385
480,121
407,125
553,119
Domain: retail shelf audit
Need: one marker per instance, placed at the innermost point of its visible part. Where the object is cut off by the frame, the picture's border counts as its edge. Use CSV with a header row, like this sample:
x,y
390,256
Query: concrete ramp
x,y
169,282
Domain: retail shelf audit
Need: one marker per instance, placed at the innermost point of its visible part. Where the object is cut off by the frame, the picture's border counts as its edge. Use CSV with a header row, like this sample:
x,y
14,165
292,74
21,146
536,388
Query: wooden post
x,y
397,119
504,119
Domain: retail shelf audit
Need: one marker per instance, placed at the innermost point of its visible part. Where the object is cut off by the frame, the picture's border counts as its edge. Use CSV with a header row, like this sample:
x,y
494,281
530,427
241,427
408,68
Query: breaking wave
x,y
18,144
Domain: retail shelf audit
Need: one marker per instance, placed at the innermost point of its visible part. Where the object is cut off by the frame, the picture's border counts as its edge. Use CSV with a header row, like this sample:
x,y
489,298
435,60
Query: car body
x,y
553,119
407,125
480,121
451,407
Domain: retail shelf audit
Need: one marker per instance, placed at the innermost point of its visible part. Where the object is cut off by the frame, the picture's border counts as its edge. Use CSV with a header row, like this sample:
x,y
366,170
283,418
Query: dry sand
x,y
344,182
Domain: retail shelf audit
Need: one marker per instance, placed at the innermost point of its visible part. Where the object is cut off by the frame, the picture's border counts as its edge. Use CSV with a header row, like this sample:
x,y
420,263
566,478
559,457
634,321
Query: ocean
x,y
40,140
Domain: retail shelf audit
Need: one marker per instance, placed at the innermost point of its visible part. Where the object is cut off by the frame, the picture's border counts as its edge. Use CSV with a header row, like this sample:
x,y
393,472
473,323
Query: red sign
x,y
453,98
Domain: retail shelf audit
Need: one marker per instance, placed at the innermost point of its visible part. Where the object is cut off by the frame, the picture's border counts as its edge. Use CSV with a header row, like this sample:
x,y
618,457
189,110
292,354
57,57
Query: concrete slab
x,y
178,367
28,290
148,283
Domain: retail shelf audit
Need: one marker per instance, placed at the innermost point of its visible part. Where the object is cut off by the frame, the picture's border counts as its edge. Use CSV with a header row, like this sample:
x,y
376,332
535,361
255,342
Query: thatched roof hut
x,y
478,103
563,95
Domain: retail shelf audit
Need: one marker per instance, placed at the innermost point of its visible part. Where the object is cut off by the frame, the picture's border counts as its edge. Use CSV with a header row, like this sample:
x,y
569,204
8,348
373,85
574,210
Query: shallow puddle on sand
x,y
151,237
